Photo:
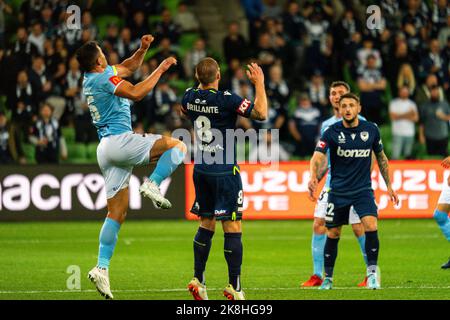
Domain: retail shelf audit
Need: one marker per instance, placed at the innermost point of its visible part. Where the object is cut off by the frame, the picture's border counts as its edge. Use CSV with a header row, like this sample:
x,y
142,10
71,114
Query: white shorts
x,y
445,193
118,154
321,208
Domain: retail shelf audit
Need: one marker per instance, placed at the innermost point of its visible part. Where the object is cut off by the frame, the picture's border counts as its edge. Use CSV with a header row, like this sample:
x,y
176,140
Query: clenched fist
x,y
166,63
146,41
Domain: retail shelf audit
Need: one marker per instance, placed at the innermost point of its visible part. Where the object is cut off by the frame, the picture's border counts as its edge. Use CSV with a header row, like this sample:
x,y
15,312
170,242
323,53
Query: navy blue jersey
x,y
212,113
350,155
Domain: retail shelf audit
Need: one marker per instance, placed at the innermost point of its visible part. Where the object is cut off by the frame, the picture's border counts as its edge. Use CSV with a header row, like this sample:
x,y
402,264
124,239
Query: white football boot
x,y
231,294
197,289
151,190
100,278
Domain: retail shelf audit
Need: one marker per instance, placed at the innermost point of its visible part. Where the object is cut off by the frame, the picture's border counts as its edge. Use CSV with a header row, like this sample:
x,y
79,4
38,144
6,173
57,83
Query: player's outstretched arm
x,y
130,65
138,91
256,76
316,165
383,164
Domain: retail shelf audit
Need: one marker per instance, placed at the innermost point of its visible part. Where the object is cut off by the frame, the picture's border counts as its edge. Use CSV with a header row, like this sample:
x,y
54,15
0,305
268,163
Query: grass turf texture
x,y
154,260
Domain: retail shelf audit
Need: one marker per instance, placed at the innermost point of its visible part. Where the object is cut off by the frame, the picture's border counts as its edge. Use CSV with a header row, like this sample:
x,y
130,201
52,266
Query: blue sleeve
x,y
324,142
110,80
235,103
377,143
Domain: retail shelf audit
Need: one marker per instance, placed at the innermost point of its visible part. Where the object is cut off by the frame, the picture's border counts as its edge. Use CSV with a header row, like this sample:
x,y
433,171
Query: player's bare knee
x,y
358,229
231,226
180,145
319,226
334,233
208,223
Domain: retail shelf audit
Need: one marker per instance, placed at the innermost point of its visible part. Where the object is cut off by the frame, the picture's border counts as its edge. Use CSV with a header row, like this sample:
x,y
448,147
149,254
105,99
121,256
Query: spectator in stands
x,y
372,84
40,79
237,82
110,42
165,51
234,44
318,92
368,50
305,126
4,8
37,37
403,113
23,49
174,120
48,24
23,100
46,136
423,93
406,78
434,62
30,10
278,95
72,91
71,36
163,98
125,45
434,120
444,35
5,141
414,25
253,11
86,24
166,28
294,23
126,8
439,16
193,56
322,8
268,150
138,26
186,19
266,54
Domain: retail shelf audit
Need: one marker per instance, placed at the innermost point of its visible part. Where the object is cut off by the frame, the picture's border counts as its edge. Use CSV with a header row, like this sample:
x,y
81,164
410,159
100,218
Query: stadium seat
x,y
69,134
172,5
76,152
150,53
29,151
91,150
349,79
386,137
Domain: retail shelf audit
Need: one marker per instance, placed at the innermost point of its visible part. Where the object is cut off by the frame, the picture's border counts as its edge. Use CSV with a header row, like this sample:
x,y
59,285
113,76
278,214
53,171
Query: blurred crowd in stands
x,y
400,69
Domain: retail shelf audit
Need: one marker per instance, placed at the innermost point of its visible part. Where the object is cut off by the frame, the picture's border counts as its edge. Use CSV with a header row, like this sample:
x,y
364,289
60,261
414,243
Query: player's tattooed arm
x,y
383,164
256,76
316,165
130,65
323,171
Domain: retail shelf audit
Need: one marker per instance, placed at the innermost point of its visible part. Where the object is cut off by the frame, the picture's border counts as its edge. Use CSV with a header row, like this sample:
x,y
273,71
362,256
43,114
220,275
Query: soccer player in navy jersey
x,y
350,143
218,185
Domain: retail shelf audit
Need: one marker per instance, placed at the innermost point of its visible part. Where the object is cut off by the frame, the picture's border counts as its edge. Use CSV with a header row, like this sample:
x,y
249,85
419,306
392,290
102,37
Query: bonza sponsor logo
x,y
353,153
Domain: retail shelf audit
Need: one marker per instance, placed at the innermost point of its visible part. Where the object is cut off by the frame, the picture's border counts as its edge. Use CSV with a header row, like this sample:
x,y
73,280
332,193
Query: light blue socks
x,y
443,222
167,164
362,245
318,245
108,239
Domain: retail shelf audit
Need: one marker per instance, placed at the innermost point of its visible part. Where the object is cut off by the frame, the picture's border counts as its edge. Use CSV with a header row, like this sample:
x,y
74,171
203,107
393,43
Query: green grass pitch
x,y
153,260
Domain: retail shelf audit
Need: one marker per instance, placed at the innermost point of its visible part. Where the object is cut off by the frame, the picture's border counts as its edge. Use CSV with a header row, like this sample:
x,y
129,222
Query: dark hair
x,y
206,70
335,84
87,55
349,95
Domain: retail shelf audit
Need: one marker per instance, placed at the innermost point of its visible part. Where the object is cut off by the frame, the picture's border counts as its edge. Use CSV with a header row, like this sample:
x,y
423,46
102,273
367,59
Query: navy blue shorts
x,y
218,196
338,208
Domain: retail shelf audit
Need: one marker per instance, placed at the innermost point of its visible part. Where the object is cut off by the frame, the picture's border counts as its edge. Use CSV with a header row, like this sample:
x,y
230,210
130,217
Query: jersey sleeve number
x,y
93,109
203,128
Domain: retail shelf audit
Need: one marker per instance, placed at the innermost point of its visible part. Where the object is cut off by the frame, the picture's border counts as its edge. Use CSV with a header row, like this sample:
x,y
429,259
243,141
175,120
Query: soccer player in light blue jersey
x,y
443,209
120,149
337,89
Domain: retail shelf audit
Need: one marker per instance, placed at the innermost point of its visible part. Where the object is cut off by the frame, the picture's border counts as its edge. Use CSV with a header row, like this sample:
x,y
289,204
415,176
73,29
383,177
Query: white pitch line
x,y
214,289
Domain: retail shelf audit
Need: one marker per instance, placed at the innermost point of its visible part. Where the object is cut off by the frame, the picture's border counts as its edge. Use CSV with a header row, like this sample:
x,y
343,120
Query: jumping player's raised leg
x,y
169,154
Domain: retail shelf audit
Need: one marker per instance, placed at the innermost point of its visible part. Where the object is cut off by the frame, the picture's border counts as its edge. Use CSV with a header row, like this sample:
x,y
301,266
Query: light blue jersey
x,y
110,114
325,125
